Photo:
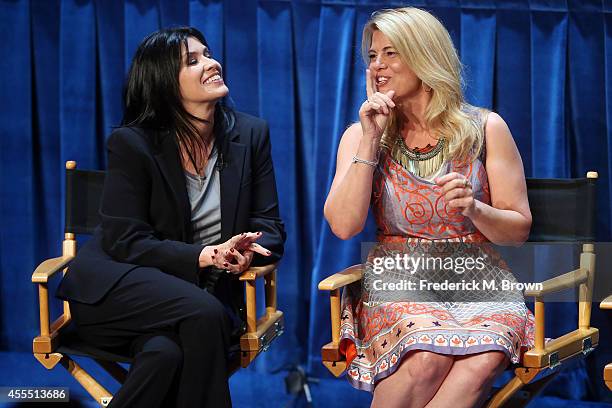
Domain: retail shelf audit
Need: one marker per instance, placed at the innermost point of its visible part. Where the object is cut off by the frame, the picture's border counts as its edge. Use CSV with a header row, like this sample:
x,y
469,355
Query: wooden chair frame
x,y
607,373
539,364
257,338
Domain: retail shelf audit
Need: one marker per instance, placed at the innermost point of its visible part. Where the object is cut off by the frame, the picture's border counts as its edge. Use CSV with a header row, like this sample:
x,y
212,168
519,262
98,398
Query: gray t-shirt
x,y
205,200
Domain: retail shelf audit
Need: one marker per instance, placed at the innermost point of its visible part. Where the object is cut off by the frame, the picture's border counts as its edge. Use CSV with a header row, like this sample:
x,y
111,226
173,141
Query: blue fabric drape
x,y
544,65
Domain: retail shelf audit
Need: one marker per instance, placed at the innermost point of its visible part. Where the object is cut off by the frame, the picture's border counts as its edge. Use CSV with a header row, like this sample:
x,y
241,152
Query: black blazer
x,y
146,214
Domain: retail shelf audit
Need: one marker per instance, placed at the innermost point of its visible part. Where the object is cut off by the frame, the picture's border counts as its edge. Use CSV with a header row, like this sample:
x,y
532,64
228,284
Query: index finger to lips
x,y
373,79
370,84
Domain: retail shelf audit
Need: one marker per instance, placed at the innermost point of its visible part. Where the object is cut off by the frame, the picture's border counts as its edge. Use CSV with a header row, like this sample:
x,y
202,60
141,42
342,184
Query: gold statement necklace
x,y
422,162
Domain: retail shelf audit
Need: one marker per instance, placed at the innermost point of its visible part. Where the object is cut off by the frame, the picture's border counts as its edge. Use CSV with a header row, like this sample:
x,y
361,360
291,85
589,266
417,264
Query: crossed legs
x,y
177,333
426,379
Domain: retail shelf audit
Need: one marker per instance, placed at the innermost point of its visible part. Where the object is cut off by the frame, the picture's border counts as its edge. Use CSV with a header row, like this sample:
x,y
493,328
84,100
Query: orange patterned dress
x,y
377,332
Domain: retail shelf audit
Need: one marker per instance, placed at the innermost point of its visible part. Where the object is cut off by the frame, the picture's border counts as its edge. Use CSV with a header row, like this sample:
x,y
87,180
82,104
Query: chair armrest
x,y
342,278
567,280
330,352
260,332
559,283
255,272
46,342
268,272
566,346
46,269
606,303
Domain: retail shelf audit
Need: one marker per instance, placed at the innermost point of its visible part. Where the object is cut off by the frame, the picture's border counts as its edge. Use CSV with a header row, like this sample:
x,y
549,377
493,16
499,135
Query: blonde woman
x,y
433,168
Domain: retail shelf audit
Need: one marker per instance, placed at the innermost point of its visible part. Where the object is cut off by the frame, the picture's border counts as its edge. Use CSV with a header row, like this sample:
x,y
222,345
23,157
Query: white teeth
x,y
213,78
382,79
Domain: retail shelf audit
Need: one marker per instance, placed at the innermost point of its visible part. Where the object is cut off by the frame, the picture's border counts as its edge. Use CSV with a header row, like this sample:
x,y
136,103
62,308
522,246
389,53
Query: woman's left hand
x,y
241,254
457,192
234,255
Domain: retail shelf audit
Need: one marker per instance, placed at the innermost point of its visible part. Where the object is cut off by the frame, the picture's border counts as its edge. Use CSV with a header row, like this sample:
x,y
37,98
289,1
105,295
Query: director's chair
x,y
58,341
563,210
607,374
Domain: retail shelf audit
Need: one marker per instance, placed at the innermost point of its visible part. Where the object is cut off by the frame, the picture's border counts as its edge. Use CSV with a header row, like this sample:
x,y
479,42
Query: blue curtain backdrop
x,y
544,65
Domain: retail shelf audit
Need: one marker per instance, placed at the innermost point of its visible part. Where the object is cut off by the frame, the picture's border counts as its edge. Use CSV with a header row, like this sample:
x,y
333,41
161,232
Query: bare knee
x,y
427,367
415,382
481,369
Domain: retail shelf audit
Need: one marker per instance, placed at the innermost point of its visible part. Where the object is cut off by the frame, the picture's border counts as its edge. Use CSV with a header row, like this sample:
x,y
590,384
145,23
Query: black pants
x,y
178,334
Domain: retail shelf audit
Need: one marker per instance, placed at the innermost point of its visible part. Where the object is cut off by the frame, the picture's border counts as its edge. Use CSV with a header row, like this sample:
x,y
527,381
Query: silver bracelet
x,y
369,163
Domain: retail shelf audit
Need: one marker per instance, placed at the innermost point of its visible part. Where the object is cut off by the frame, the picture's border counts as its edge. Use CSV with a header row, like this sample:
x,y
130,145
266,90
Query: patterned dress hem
x,y
446,350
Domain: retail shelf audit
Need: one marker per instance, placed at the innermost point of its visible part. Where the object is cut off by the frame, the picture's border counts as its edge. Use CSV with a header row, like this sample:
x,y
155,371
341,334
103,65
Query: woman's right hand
x,y
235,254
374,112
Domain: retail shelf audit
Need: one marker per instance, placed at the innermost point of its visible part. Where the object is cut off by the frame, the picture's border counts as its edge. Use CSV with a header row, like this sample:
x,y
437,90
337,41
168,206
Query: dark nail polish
x,y
232,250
216,251
225,264
212,257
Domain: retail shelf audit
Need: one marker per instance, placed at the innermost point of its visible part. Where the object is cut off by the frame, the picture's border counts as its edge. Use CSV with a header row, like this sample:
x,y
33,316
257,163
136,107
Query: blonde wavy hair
x,y
426,47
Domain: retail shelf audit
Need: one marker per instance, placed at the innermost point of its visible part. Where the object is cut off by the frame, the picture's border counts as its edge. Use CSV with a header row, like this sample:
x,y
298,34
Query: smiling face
x,y
392,73
200,76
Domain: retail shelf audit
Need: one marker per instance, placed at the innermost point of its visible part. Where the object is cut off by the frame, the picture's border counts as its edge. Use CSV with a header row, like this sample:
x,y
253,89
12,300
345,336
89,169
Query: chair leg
x,y
246,357
114,369
100,394
337,368
48,360
505,393
528,392
535,387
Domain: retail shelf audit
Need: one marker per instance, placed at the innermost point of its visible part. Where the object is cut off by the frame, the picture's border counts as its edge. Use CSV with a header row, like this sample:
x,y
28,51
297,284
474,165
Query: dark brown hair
x,y
152,94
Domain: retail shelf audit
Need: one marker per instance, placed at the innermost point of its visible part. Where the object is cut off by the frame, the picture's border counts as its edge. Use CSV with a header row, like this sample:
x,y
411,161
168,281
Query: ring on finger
x,y
466,183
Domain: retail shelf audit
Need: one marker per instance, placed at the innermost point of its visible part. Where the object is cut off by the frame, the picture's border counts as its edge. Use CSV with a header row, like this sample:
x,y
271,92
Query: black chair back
x,y
563,210
83,198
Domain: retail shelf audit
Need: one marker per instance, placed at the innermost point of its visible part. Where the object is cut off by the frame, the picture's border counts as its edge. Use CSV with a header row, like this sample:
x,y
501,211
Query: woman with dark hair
x,y
187,180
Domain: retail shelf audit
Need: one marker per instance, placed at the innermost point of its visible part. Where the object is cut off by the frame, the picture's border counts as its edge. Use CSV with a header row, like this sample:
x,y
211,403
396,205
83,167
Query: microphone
x,y
221,162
